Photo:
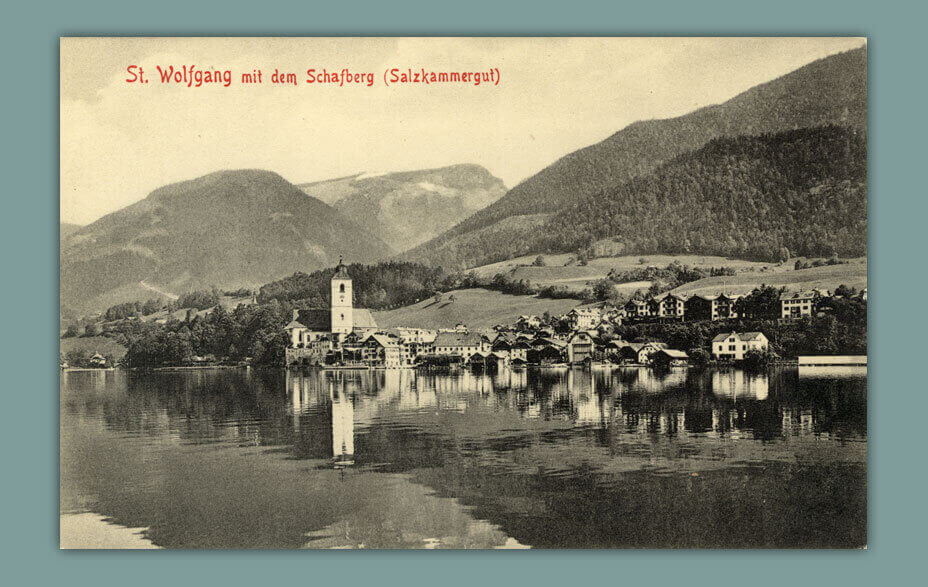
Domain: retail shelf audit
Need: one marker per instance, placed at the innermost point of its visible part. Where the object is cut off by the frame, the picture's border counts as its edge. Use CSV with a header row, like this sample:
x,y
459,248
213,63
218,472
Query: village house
x,y
547,350
724,306
613,347
670,306
612,315
580,347
415,342
527,323
637,309
670,358
639,352
380,350
583,318
459,344
645,353
699,307
513,349
733,345
794,305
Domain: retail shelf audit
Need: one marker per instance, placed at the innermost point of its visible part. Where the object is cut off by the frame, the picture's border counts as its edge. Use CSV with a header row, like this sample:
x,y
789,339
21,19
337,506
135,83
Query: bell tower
x,y
342,321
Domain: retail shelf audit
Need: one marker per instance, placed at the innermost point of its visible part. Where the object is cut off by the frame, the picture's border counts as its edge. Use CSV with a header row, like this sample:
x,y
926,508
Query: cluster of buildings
x,y
347,336
678,307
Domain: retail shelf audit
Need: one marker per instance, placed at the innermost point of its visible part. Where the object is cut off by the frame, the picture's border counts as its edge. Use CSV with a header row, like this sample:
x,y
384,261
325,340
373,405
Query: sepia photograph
x,y
463,293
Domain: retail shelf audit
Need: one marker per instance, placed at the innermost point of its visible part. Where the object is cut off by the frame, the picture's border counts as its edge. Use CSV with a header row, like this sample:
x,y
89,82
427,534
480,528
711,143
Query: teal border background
x,y
897,95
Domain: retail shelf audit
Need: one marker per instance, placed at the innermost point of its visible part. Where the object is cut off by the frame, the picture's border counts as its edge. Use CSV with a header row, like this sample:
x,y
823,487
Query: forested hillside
x,y
381,286
764,198
831,91
800,192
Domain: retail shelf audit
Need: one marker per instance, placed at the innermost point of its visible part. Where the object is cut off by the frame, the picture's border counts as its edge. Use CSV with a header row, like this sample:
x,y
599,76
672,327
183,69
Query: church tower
x,y
342,321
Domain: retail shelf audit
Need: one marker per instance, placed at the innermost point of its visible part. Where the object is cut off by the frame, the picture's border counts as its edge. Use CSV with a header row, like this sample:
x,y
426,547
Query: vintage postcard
x,y
466,293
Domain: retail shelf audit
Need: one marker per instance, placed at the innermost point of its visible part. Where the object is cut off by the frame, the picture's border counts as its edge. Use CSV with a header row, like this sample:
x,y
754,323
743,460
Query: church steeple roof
x,y
341,271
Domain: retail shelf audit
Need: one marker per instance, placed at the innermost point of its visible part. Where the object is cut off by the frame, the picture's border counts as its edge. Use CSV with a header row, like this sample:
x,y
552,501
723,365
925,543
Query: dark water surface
x,y
537,458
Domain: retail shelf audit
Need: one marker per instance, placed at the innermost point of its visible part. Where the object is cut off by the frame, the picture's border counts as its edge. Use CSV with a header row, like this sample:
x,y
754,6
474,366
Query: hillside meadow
x,y
477,308
852,274
562,269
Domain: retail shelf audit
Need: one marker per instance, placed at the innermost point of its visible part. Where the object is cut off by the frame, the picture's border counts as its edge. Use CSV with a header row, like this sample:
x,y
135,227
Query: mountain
x,y
408,208
830,91
747,197
229,229
66,228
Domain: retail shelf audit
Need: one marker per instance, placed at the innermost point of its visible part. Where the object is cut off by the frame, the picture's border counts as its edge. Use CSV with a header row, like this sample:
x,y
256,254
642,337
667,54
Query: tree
x,y
844,291
756,359
699,357
77,358
763,302
539,261
603,289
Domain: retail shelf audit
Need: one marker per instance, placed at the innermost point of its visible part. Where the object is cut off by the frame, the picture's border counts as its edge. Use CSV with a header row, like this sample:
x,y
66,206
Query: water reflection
x,y
637,401
608,457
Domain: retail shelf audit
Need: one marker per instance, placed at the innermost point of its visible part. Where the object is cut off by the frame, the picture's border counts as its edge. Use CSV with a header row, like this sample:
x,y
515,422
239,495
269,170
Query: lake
x,y
540,458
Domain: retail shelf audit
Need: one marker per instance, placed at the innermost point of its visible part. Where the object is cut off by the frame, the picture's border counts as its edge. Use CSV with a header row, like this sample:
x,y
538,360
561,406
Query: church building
x,y
315,332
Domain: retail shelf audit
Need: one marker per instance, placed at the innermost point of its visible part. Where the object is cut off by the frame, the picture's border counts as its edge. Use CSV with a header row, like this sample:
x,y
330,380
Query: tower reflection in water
x,y
310,395
342,424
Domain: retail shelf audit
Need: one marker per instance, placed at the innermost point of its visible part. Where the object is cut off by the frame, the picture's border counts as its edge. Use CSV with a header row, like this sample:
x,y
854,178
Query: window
x,y
341,288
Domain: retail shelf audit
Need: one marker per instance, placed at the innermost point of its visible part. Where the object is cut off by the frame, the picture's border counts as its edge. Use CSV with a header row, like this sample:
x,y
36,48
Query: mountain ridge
x,y
229,228
831,90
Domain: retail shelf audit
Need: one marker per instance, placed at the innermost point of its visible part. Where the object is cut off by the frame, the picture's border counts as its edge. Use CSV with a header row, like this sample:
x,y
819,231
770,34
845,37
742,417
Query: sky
x,y
120,140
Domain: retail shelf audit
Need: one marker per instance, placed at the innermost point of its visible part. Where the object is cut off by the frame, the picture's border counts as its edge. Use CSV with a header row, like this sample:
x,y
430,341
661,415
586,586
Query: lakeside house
x,y
670,358
512,349
580,348
734,345
639,352
459,344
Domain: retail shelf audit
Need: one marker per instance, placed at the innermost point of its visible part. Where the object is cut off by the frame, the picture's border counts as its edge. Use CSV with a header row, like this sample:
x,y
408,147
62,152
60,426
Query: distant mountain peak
x,y
405,208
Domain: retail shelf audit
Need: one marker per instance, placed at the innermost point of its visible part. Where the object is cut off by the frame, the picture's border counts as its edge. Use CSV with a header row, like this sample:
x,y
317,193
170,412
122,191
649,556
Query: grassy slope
x,y
477,308
853,274
93,344
576,277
